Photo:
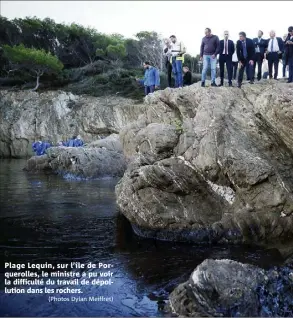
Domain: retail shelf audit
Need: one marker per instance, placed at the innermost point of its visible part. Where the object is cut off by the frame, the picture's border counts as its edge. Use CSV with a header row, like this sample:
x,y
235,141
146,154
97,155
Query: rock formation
x,y
212,165
225,288
103,158
27,116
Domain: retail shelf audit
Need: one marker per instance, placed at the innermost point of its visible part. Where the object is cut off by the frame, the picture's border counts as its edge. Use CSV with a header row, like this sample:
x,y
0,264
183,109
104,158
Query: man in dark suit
x,y
260,46
246,55
226,51
289,53
275,50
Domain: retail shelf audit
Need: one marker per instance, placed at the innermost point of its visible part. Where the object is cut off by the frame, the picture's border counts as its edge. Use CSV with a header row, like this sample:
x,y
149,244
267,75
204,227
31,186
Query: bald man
x,y
275,50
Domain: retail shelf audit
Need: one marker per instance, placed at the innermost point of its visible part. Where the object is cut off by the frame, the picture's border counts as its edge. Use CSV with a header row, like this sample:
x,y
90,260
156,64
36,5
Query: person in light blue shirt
x,y
151,78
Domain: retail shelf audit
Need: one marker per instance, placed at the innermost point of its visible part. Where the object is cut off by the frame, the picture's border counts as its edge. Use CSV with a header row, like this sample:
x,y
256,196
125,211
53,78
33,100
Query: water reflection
x,y
46,218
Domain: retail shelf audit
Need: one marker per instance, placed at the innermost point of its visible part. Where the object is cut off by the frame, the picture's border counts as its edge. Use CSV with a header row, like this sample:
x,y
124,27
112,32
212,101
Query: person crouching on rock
x,y
151,78
187,77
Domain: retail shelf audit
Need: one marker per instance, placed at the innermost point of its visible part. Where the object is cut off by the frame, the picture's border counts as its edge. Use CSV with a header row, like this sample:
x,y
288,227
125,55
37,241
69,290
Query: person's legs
x,y
152,88
276,64
169,74
259,66
213,68
284,68
146,90
222,66
179,73
235,67
229,69
204,67
248,70
240,75
270,65
174,69
290,64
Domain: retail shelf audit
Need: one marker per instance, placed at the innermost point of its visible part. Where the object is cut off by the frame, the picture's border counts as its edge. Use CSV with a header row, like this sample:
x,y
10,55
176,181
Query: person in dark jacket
x,y
275,50
187,77
260,46
226,52
246,54
289,53
209,49
168,64
284,57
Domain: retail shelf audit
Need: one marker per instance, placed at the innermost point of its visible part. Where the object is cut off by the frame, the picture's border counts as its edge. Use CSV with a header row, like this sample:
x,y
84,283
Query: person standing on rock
x,y
226,52
151,78
178,50
246,55
168,64
260,45
235,63
284,58
274,51
209,49
289,53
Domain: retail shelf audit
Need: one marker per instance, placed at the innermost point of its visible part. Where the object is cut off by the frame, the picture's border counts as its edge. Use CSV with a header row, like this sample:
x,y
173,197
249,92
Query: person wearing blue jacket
x,y
151,78
39,147
75,141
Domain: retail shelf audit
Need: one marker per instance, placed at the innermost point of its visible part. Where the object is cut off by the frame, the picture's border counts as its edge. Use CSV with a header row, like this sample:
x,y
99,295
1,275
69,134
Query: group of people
x,y
247,54
39,147
244,55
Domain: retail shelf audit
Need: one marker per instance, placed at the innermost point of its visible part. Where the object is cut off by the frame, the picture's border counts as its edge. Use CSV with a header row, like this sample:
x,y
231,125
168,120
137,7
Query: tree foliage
x,y
33,61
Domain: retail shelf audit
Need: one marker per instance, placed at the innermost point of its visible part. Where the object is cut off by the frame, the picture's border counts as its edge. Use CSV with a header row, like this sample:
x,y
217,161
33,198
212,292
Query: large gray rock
x,y
104,160
225,288
27,116
212,164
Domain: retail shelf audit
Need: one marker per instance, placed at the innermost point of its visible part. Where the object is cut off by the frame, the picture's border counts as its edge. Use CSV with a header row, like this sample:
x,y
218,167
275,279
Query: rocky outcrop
x,y
27,116
105,159
225,288
212,165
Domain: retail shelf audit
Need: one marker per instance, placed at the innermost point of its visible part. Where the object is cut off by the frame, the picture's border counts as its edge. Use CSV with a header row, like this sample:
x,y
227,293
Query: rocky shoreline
x,y
202,165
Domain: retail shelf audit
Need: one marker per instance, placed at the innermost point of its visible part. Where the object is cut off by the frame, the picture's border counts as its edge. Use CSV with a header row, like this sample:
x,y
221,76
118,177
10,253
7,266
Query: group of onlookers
x,y
244,55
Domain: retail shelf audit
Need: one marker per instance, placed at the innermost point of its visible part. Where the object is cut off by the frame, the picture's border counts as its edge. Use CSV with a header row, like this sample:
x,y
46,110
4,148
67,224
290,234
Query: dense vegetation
x,y
76,57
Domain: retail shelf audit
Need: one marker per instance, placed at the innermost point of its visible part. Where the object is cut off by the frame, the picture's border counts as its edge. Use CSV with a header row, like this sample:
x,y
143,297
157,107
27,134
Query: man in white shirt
x,y
227,49
177,50
274,49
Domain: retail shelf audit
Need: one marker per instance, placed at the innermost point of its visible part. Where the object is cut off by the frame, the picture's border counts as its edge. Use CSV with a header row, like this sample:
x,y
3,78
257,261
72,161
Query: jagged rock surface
x,y
212,165
27,116
105,159
225,288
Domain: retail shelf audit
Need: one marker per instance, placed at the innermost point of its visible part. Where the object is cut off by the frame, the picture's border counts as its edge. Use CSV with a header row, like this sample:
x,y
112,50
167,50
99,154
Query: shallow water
x,y
47,218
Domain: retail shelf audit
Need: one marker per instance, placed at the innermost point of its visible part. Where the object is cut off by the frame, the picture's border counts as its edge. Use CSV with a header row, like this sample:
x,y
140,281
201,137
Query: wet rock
x,y
82,162
27,116
225,288
212,165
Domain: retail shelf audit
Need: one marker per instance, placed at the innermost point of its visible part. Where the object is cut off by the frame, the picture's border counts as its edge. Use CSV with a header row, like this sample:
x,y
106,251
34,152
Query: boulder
x,y
225,288
82,162
212,165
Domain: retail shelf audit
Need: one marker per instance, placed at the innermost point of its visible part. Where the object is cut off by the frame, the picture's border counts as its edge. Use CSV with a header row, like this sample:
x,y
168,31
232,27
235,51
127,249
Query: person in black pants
x,y
187,77
260,46
226,52
284,57
246,54
289,53
235,63
168,64
274,50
